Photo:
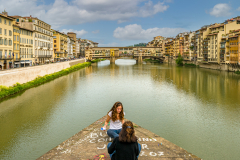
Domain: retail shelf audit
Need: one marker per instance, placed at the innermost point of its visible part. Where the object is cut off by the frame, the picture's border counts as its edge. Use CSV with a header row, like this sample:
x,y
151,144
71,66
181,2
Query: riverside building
x,y
26,47
6,41
60,46
16,46
73,36
42,38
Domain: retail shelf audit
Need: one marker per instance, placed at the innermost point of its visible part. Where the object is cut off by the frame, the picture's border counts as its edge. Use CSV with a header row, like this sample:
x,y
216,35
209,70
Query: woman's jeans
x,y
109,144
113,133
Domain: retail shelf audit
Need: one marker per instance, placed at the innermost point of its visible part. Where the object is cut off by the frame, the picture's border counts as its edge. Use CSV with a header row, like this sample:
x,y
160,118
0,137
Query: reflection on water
x,y
197,109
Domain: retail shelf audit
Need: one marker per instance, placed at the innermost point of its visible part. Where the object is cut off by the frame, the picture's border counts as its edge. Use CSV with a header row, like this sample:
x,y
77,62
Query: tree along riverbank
x,y
16,88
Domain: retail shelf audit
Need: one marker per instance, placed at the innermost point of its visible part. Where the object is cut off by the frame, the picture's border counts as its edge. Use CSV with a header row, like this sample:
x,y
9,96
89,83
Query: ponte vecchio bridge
x,y
114,53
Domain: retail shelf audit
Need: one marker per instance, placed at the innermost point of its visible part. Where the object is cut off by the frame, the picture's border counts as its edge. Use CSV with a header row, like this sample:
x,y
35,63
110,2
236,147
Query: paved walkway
x,y
91,144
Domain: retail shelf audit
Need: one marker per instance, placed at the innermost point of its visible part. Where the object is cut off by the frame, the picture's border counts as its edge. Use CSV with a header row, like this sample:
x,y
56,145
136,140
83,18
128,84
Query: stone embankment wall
x,y
222,67
23,75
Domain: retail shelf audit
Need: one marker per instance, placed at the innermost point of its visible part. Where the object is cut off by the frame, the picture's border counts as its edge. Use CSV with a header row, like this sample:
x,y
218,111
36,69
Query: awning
x,y
47,60
15,63
22,62
61,58
27,62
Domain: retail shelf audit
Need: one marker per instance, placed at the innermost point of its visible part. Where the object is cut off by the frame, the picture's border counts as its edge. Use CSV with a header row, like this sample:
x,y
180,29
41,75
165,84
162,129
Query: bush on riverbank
x,y
97,60
190,65
237,72
179,60
7,91
150,60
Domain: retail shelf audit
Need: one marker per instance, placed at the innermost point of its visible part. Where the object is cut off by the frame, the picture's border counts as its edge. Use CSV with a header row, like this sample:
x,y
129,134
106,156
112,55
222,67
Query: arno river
x,y
197,109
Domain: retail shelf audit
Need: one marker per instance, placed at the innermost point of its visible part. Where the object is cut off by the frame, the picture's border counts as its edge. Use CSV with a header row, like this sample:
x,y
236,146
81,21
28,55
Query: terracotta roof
x,y
71,32
26,29
233,37
217,26
16,16
8,17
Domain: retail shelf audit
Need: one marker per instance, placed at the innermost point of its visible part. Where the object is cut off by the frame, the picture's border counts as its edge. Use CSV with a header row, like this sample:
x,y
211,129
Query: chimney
x,y
5,13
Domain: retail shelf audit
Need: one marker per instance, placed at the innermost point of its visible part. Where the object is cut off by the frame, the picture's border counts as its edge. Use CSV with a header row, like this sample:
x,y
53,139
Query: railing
x,y
44,56
6,57
17,59
222,47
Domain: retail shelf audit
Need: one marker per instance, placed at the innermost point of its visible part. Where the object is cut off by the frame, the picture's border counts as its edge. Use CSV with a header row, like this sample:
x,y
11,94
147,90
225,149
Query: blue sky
x,y
125,22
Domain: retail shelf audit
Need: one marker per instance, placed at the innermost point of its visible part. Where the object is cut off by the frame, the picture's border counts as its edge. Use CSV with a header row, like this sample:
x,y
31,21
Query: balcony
x,y
6,57
62,44
44,56
17,59
222,47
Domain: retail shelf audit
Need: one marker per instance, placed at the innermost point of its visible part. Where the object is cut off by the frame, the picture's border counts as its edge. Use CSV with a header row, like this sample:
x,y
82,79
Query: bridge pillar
x,y
139,60
112,60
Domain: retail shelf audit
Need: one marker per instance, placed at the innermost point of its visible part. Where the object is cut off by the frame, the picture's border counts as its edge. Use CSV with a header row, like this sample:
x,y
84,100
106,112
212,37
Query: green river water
x,y
194,108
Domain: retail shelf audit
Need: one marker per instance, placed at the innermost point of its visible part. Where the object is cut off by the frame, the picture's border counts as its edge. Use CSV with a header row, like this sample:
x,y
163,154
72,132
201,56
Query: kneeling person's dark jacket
x,y
124,150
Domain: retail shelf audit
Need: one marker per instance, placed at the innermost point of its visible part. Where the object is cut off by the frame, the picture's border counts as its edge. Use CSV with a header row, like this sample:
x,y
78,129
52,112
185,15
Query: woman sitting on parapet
x,y
125,146
116,118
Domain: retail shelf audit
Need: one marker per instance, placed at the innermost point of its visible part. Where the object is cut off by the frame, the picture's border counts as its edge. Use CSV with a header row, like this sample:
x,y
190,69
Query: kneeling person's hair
x,y
127,134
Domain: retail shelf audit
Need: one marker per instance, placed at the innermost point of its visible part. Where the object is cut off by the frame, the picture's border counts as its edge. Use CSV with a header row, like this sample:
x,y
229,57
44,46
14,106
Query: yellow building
x,y
6,41
16,46
26,47
60,46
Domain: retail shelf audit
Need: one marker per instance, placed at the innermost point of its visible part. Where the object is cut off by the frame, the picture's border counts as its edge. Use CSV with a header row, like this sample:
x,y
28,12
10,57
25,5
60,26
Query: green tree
x,y
179,60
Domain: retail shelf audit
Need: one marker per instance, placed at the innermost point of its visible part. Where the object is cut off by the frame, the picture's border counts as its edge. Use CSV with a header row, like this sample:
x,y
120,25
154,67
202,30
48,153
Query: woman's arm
x,y
107,121
112,148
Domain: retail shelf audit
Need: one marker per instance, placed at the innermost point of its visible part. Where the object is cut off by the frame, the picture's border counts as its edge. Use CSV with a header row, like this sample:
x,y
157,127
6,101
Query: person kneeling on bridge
x,y
125,146
116,118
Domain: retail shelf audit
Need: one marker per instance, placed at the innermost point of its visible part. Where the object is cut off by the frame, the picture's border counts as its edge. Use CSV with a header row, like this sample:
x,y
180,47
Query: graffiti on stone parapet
x,y
149,153
101,156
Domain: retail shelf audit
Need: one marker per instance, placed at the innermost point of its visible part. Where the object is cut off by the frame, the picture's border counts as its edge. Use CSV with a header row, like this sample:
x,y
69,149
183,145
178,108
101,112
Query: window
x,y
10,42
17,38
14,37
0,20
9,23
1,41
14,46
5,41
5,21
5,32
18,47
55,45
0,30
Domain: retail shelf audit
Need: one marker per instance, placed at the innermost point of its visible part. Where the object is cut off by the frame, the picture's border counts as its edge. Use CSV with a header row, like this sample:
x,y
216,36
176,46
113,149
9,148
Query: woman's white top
x,y
115,125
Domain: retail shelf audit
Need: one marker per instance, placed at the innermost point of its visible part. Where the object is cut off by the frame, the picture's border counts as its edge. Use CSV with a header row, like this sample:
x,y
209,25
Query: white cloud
x,y
79,33
62,12
221,10
238,9
136,32
95,32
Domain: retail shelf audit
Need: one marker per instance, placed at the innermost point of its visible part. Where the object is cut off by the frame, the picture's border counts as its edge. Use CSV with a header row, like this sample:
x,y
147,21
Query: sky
x,y
124,22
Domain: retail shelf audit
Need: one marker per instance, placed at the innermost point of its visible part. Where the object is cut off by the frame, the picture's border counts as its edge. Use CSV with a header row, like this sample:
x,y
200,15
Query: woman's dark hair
x,y
114,112
127,133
